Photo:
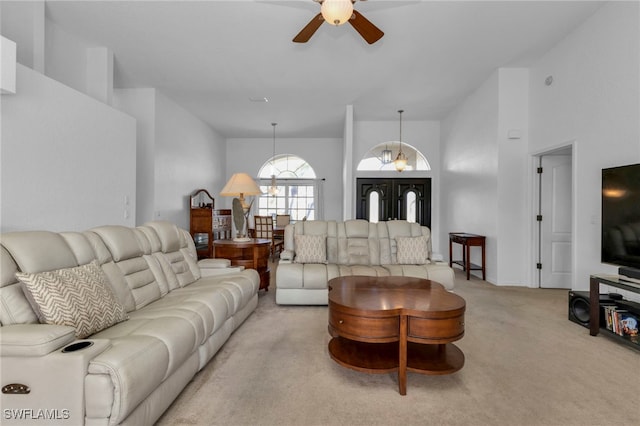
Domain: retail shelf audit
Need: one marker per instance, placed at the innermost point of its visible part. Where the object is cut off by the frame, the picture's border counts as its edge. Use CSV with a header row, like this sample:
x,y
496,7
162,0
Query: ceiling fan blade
x,y
306,33
367,30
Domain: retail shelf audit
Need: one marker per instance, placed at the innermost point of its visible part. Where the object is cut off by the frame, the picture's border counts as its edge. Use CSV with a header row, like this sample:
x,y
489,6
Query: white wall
x,y
513,209
68,161
177,154
66,57
469,201
348,194
24,23
140,103
595,101
189,155
323,154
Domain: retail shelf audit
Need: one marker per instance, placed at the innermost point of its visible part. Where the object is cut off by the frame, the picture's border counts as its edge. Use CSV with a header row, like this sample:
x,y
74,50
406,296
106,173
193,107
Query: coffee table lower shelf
x,y
380,358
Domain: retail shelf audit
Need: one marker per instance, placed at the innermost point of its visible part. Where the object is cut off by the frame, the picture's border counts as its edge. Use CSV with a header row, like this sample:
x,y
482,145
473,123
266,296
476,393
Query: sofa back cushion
x,y
190,254
38,251
358,243
14,307
114,273
28,251
327,229
176,265
390,231
128,256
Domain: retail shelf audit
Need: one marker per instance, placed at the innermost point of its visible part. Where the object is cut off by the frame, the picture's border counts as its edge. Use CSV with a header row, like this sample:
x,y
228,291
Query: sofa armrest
x,y
32,340
214,263
287,255
436,257
213,272
55,381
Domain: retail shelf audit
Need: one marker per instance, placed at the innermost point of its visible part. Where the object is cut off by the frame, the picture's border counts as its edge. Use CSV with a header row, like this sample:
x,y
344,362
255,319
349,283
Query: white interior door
x,y
556,239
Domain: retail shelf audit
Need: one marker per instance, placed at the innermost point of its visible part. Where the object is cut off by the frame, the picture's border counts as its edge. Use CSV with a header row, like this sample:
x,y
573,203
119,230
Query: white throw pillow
x,y
412,250
79,297
310,248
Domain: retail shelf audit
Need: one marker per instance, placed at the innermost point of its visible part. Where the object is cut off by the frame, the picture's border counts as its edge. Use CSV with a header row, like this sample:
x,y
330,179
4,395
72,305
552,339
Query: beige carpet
x,y
526,364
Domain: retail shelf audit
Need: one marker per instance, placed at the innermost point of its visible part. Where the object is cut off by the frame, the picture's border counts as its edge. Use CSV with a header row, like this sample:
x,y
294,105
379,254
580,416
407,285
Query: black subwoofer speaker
x,y
580,305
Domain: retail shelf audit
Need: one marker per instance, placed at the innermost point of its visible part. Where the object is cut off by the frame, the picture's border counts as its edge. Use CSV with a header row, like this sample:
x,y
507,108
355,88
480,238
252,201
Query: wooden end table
x,y
386,324
253,254
467,241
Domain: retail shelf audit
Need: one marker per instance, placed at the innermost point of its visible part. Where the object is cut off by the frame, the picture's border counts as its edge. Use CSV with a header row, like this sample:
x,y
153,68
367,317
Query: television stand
x,y
594,305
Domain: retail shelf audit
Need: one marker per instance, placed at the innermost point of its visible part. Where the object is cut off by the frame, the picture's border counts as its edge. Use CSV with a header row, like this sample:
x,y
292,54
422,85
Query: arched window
x,y
298,189
381,157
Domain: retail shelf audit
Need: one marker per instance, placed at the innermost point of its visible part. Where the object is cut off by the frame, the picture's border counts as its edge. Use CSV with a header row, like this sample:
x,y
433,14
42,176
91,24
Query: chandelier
x,y
386,155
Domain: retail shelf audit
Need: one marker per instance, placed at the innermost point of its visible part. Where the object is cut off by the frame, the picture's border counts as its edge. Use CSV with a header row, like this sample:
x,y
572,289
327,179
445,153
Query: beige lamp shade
x,y
239,185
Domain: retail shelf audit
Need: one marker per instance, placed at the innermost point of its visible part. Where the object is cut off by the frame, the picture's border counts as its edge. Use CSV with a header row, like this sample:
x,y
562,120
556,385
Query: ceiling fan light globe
x,y
336,12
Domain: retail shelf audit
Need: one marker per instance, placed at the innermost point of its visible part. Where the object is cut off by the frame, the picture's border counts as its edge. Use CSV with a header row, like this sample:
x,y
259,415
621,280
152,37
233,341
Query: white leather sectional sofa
x,y
353,247
177,318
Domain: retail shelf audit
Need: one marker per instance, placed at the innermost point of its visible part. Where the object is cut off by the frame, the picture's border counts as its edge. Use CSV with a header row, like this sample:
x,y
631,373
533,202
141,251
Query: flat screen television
x,y
621,216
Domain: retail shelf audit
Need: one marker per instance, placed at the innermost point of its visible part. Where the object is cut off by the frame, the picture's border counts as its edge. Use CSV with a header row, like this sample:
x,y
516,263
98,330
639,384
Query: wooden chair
x,y
264,229
283,220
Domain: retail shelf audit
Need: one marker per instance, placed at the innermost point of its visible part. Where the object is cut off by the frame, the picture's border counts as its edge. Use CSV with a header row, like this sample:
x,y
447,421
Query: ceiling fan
x,y
337,12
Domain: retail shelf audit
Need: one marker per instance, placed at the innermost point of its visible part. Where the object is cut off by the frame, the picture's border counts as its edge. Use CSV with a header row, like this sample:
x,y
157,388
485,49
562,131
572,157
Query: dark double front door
x,y
388,199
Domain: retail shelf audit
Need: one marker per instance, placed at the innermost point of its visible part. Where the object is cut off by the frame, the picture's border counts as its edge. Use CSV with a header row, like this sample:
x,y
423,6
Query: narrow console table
x,y
467,241
594,304
253,254
386,324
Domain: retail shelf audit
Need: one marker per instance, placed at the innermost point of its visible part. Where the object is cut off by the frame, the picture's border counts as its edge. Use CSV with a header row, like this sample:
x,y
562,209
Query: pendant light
x,y
386,156
401,160
273,189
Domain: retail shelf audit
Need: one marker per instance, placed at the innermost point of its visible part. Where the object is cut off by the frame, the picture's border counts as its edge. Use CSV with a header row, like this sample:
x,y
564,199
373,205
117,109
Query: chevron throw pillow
x,y
79,297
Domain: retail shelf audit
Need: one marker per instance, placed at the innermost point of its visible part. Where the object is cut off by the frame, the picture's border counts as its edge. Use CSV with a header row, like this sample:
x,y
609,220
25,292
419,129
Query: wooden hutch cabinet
x,y
201,222
207,224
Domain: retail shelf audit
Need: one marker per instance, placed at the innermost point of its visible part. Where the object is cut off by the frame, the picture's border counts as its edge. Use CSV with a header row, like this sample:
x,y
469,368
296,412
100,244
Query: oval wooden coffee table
x,y
386,324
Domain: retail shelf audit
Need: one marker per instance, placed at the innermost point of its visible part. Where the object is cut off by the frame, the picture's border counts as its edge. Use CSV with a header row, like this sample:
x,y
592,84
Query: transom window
x,y
381,157
298,188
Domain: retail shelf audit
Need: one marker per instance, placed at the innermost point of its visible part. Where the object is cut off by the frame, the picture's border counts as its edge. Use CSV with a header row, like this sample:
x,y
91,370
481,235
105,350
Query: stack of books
x,y
621,321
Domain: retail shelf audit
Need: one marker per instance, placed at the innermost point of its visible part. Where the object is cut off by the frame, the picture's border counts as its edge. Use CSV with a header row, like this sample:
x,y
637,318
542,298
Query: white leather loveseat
x,y
318,251
137,300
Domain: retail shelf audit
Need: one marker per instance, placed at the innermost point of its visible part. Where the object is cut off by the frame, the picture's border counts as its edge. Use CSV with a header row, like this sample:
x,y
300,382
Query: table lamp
x,y
239,185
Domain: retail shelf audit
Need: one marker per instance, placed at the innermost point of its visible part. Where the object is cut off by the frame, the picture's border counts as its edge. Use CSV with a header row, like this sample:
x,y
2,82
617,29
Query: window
x,y
410,208
298,188
374,201
376,158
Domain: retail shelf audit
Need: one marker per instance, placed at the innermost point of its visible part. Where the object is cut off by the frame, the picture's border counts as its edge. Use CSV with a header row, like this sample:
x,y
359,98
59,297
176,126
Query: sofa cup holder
x,y
78,346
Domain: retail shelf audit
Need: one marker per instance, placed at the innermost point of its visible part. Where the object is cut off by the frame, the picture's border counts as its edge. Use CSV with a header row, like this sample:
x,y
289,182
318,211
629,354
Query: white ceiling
x,y
213,56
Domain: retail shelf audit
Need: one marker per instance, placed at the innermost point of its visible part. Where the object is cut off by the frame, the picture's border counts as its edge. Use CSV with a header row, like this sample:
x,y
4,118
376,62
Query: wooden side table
x,y
253,254
467,241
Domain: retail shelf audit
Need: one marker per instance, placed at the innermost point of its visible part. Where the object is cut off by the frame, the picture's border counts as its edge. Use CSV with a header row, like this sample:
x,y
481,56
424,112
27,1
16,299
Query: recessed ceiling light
x,y
259,99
